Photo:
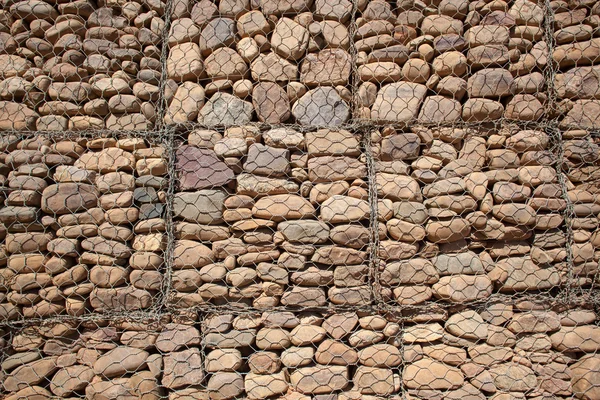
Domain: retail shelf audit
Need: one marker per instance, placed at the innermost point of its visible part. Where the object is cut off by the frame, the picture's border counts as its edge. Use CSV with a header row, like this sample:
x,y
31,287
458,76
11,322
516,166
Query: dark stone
x,y
149,211
156,182
143,195
200,169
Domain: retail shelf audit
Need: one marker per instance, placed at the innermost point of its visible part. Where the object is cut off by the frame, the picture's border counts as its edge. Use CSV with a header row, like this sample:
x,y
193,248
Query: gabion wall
x,y
296,199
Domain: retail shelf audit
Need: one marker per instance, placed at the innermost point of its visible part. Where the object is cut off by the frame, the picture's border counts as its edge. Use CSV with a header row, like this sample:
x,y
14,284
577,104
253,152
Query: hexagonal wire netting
x,y
294,199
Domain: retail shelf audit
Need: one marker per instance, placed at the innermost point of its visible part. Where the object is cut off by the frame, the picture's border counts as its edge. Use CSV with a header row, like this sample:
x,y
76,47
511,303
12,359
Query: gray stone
x,y
322,106
225,109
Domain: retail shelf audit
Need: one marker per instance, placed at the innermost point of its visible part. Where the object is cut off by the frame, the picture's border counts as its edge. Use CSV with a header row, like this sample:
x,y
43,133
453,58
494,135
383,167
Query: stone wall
x,y
294,199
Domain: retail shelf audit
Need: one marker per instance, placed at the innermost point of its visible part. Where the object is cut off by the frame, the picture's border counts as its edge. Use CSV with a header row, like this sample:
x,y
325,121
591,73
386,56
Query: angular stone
x,y
268,161
182,368
289,39
15,116
438,109
398,102
490,82
201,168
328,67
270,102
225,109
583,115
322,106
400,147
188,99
219,32
513,377
225,63
204,206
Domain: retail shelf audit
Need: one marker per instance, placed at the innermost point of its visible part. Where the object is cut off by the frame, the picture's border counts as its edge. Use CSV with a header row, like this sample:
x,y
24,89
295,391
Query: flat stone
x,y
319,379
66,198
513,377
429,374
463,288
282,207
262,386
175,336
120,361
461,263
467,324
30,374
304,231
343,209
579,338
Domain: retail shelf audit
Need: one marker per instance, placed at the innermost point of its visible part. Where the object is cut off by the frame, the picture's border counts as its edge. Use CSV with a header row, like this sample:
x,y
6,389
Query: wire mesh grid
x,y
288,199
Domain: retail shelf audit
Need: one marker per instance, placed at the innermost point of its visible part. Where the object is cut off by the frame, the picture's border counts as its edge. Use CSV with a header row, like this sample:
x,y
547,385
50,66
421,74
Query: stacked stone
x,y
576,55
503,351
581,168
523,349
285,355
465,213
81,231
271,218
441,62
235,61
78,67
71,360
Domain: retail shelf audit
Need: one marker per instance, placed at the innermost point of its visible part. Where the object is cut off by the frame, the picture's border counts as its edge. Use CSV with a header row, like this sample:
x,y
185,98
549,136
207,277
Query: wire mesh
x,y
272,218
299,199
